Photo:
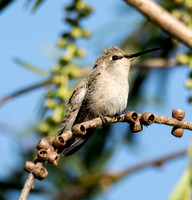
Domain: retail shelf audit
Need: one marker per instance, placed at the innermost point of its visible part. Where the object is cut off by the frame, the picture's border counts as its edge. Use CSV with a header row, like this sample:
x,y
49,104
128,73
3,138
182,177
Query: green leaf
x,y
37,4
4,3
182,189
30,67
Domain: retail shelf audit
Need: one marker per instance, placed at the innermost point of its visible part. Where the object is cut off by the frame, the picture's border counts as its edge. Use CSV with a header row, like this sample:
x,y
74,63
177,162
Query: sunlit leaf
x,y
31,67
182,189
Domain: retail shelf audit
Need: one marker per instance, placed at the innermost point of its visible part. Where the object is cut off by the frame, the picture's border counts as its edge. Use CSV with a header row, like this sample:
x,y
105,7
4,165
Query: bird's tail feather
x,y
76,143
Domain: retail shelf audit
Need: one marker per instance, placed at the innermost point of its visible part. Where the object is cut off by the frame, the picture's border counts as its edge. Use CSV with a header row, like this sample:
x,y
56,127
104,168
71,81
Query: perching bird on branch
x,y
103,93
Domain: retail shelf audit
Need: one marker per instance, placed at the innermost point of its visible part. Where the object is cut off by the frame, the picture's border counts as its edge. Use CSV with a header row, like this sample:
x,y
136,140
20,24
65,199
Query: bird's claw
x,y
117,116
104,120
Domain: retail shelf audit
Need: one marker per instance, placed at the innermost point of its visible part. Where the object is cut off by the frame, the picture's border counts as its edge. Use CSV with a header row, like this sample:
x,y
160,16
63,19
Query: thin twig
x,y
163,19
27,187
155,162
156,63
25,90
38,171
47,146
106,179
150,63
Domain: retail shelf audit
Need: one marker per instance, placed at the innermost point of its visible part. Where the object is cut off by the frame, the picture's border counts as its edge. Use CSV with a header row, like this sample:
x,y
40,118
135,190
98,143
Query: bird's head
x,y
115,60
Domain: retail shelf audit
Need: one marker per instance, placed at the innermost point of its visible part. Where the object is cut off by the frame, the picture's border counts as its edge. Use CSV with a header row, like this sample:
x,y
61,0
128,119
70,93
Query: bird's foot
x,y
104,120
117,116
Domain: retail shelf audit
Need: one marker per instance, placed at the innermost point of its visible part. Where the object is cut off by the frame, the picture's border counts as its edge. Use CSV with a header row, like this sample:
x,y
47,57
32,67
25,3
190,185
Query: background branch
x,y
47,147
156,63
155,162
163,19
150,63
106,179
25,90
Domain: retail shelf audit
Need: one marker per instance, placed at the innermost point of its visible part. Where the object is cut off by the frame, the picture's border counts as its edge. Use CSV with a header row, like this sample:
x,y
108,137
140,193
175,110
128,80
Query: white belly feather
x,y
110,97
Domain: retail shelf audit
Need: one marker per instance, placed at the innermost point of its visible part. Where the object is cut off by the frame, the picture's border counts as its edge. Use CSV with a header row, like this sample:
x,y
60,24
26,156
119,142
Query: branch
x,y
156,162
27,187
25,90
156,63
47,147
150,63
163,19
37,171
106,179
135,120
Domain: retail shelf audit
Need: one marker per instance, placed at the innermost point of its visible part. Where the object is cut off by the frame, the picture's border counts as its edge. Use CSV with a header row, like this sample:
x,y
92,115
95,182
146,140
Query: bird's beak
x,y
134,55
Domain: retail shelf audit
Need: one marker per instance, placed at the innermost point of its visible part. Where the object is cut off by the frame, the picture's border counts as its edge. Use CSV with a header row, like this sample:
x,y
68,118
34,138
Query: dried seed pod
x,y
42,155
67,135
53,158
39,172
177,132
42,144
131,117
135,127
79,129
59,142
178,114
147,118
29,166
51,148
50,139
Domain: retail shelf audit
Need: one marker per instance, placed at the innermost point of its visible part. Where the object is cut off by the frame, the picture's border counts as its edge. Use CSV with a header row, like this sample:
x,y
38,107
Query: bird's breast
x,y
109,96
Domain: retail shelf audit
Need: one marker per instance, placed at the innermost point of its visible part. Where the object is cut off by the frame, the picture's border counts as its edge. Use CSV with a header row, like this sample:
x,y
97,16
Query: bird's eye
x,y
114,57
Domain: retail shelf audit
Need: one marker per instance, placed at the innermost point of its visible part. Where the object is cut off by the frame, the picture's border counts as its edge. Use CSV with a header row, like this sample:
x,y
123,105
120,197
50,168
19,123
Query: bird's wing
x,y
76,143
84,112
79,115
76,107
73,106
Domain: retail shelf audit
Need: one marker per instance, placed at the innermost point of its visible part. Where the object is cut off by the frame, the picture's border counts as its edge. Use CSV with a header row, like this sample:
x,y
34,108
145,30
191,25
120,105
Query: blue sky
x,y
32,37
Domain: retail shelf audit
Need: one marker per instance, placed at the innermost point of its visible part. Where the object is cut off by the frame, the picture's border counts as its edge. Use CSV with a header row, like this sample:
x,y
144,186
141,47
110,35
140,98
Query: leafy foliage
x,y
65,70
37,4
182,190
31,67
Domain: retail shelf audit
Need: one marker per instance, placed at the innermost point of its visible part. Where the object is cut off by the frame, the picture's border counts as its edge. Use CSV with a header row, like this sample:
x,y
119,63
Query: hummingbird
x,y
103,93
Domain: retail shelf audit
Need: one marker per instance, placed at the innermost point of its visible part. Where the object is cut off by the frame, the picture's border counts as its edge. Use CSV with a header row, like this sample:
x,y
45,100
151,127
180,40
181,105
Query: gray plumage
x,y
104,92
